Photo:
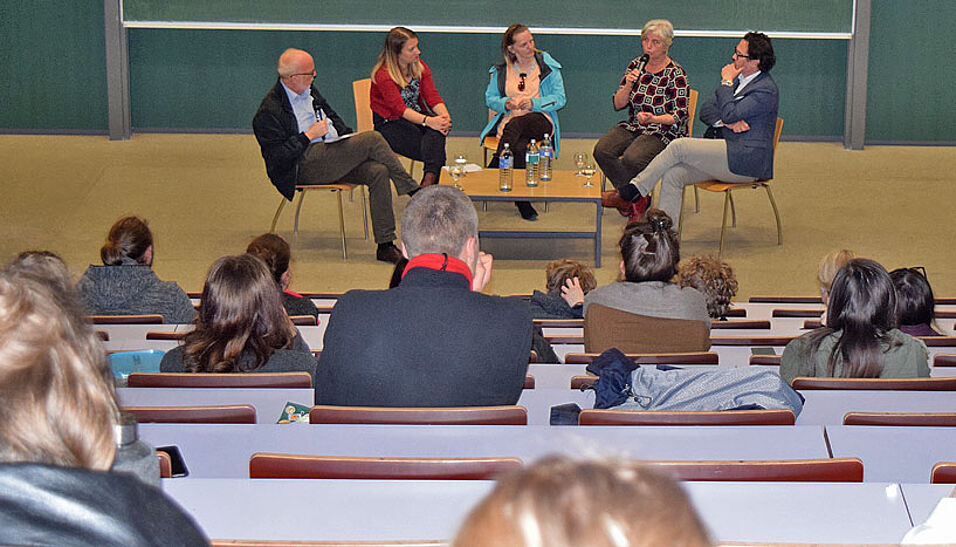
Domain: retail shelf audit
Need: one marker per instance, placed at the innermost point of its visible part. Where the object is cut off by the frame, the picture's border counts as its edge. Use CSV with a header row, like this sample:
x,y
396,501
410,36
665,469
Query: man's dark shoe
x,y
388,252
526,210
612,198
429,179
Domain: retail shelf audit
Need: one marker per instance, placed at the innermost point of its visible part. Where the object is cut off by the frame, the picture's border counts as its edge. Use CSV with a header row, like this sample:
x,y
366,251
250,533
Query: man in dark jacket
x,y
304,141
434,340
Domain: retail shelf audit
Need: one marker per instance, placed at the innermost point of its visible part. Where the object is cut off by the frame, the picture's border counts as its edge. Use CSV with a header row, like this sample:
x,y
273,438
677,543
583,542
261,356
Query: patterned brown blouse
x,y
664,92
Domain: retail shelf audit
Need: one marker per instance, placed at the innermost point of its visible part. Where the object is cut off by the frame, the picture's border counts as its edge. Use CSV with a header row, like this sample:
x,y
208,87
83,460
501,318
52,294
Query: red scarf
x,y
441,262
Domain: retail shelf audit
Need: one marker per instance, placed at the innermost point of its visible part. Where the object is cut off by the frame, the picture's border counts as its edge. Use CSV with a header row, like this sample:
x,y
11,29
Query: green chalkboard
x,y
830,16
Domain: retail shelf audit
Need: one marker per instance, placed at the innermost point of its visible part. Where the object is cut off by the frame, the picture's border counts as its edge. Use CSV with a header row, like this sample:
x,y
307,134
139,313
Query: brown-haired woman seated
x,y
56,433
241,326
860,338
914,302
126,284
275,252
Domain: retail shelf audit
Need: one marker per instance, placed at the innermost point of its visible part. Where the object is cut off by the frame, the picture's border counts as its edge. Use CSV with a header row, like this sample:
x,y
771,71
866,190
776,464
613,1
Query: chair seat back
x,y
823,470
898,384
658,417
248,380
606,328
925,419
146,319
291,466
214,414
680,358
466,415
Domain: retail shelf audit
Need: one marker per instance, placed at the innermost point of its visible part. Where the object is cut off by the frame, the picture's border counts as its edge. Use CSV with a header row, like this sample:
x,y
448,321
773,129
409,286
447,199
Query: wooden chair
x,y
755,324
811,324
460,415
945,314
943,473
761,299
938,341
583,381
559,323
927,419
765,360
165,335
794,312
304,320
822,470
214,414
692,358
362,97
529,381
727,187
245,380
263,465
753,341
896,384
336,189
944,360
359,543
661,417
165,465
146,319
606,328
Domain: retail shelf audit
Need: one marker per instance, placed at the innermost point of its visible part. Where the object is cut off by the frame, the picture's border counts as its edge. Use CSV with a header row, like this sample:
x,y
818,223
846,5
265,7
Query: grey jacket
x,y
133,289
651,298
295,359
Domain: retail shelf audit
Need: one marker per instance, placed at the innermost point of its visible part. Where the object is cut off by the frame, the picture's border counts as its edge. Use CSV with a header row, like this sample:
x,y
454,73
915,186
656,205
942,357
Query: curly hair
x,y
714,279
559,271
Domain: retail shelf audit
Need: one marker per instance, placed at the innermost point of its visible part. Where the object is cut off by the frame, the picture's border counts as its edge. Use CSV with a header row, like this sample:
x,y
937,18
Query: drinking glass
x,y
580,159
588,172
457,171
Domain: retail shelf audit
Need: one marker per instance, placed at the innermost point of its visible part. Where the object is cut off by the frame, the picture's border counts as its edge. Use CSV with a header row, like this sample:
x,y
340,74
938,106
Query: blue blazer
x,y
749,153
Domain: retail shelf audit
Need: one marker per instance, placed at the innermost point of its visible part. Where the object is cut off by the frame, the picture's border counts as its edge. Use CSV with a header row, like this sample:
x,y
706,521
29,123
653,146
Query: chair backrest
x,y
786,299
245,380
462,415
943,473
898,384
214,414
165,335
304,320
291,466
688,358
691,111
145,319
361,92
768,360
606,328
558,323
796,312
938,341
756,324
662,417
753,341
811,324
529,381
165,465
944,360
823,470
928,419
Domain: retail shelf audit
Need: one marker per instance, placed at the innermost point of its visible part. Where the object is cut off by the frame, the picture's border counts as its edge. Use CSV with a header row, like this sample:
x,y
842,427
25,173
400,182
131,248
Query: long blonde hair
x,y
394,42
59,406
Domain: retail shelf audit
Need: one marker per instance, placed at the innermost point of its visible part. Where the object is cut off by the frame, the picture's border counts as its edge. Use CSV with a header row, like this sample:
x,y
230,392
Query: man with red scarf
x,y
435,339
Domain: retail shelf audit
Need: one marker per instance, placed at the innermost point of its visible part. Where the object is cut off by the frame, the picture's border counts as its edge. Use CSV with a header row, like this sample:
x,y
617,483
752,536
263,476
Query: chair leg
x,y
733,209
723,225
275,219
298,209
345,252
776,214
696,200
364,213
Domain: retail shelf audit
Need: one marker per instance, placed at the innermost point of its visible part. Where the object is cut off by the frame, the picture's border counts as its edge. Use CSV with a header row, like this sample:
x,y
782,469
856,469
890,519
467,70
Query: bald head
x,y
296,69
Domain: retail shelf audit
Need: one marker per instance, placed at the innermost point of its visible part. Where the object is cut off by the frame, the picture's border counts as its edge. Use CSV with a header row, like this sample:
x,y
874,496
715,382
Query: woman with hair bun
x,y
650,252
242,326
275,252
126,284
860,338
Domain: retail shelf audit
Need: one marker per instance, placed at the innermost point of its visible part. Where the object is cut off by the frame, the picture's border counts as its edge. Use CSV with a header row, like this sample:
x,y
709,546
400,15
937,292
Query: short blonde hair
x,y
660,27
561,503
829,266
59,406
559,271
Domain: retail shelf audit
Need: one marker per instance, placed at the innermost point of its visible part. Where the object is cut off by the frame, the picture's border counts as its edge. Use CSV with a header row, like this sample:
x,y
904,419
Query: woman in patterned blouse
x,y
654,89
406,107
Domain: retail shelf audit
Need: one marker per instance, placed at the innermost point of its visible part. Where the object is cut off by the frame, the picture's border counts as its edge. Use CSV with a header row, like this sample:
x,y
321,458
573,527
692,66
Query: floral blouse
x,y
664,92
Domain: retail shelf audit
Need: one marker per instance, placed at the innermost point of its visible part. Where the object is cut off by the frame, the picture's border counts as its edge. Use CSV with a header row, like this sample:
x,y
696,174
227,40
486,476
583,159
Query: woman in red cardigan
x,y
406,107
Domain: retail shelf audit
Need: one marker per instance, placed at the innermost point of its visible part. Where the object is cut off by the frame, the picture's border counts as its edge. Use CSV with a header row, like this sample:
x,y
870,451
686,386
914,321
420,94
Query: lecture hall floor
x,y
207,195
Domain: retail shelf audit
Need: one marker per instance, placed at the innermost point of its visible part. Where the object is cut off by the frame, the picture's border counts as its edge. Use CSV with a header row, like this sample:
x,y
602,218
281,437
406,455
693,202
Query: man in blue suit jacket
x,y
742,116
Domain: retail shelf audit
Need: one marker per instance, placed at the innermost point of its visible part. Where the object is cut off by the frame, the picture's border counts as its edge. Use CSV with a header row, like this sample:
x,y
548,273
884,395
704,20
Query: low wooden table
x,y
564,186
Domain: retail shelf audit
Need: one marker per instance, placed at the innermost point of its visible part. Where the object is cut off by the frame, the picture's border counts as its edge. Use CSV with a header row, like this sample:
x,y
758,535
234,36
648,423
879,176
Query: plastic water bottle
x,y
547,158
531,159
506,163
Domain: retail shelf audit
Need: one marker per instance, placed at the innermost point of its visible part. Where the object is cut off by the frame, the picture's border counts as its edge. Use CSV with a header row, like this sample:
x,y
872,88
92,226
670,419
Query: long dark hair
x,y
862,305
129,237
650,249
241,312
914,297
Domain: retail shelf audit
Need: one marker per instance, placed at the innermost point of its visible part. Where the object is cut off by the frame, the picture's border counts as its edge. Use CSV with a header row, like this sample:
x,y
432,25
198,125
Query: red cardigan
x,y
386,97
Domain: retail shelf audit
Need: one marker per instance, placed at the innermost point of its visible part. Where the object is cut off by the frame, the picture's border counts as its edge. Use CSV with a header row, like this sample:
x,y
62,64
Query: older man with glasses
x,y
304,141
741,117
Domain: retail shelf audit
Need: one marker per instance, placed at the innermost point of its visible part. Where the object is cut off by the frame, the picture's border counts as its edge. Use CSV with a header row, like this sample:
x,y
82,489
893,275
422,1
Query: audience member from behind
x,y
125,284
567,281
711,277
560,503
829,266
56,433
650,252
914,302
860,338
277,256
45,265
241,326
434,340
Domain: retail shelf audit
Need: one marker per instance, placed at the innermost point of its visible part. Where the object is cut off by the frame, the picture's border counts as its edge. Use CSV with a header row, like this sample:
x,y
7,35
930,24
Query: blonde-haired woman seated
x,y
56,433
561,503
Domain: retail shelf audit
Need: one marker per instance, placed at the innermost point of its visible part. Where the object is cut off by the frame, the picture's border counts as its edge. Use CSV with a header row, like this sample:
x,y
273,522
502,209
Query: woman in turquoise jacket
x,y
525,90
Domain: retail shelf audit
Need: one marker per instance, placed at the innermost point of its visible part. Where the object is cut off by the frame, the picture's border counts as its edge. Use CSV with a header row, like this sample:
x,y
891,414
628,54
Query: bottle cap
x,y
124,432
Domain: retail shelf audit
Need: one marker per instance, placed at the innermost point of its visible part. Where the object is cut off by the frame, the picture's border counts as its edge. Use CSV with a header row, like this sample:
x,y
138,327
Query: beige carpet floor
x,y
207,195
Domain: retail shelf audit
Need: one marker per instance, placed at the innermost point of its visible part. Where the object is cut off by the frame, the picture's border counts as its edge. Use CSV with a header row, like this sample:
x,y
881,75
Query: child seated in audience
x,y
242,326
125,284
713,278
56,432
915,302
567,281
275,252
557,502
860,338
829,266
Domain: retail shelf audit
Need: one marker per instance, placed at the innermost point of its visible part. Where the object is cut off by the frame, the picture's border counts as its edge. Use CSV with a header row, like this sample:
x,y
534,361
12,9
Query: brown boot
x,y
612,198
429,179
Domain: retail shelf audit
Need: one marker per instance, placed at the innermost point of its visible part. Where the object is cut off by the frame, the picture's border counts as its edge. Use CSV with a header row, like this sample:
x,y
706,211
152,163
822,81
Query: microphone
x,y
641,63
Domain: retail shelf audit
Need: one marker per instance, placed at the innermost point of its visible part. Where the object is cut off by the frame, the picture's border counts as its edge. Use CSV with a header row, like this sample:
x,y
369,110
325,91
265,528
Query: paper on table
x,y
469,168
340,138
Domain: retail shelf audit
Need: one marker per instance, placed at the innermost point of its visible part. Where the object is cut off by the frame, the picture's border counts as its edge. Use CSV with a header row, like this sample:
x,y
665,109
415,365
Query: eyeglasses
x,y
523,75
741,55
309,74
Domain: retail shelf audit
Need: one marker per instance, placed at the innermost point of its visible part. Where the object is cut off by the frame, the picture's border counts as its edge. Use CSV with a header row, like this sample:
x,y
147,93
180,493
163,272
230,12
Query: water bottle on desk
x,y
547,158
531,159
506,163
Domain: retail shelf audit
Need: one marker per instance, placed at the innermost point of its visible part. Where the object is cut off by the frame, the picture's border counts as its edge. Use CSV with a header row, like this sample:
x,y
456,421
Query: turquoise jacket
x,y
551,100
